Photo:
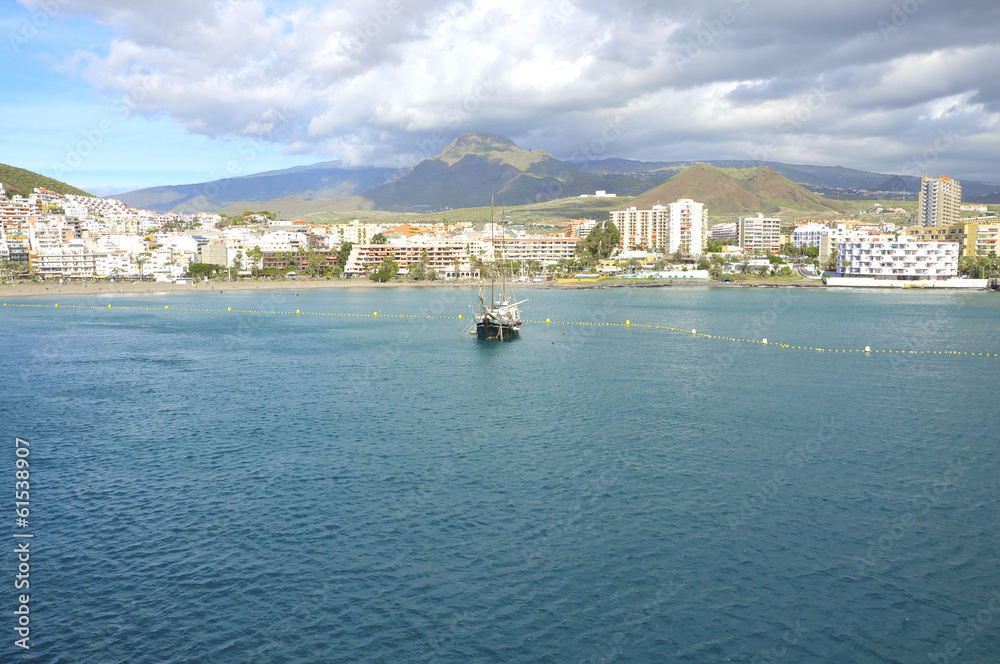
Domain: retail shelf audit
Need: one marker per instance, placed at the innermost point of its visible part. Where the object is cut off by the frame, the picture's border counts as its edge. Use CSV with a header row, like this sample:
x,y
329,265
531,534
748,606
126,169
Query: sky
x,y
114,95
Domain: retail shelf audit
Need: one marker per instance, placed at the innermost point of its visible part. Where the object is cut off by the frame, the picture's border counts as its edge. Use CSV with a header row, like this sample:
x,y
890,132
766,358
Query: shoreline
x,y
18,290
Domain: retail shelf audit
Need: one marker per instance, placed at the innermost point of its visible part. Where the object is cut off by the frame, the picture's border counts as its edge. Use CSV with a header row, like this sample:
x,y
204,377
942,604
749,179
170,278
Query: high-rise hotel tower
x,y
939,203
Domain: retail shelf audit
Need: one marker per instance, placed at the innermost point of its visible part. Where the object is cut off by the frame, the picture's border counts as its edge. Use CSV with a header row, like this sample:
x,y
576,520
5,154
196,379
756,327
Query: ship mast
x,y
493,244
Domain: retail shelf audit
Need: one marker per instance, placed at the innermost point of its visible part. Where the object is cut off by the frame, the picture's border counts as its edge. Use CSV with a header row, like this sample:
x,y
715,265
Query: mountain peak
x,y
492,147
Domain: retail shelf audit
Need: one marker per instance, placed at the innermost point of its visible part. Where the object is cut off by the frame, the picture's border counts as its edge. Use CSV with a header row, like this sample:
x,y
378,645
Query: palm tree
x,y
141,260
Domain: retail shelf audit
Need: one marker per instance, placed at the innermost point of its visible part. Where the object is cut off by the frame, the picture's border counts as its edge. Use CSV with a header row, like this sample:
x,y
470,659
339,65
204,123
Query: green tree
x,y
386,271
380,238
254,255
204,269
344,254
832,263
602,240
315,262
418,271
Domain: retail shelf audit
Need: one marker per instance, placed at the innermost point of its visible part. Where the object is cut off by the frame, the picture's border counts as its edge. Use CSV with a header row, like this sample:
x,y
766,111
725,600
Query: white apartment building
x,y
546,250
70,260
358,233
899,260
809,235
845,233
727,232
939,202
114,264
760,233
442,257
681,226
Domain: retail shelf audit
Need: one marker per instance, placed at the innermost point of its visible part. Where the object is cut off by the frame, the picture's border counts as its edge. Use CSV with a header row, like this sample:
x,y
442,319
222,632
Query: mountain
x,y
328,180
19,181
737,191
476,167
827,180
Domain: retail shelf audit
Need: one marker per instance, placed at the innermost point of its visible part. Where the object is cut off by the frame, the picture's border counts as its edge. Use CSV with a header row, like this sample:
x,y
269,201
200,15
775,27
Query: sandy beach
x,y
27,289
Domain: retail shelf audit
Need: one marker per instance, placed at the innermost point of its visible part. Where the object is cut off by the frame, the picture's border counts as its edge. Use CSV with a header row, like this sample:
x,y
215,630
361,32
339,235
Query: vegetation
x,y
738,191
419,270
386,271
380,238
601,241
979,267
344,254
12,269
241,218
254,255
205,269
804,251
19,181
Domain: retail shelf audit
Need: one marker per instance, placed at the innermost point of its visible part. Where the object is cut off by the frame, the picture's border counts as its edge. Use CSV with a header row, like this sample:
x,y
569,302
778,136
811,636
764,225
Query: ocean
x,y
215,486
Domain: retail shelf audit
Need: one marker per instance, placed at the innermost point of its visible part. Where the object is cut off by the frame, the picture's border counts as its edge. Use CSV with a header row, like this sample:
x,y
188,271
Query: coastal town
x,y
67,237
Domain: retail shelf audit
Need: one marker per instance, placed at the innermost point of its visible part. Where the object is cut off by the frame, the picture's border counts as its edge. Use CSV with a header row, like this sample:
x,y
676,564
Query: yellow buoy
x,y
460,317
547,321
166,307
229,309
109,306
57,305
296,312
628,323
375,314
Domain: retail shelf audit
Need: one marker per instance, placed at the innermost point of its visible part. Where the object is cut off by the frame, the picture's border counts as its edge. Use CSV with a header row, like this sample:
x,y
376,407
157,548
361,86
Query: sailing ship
x,y
498,317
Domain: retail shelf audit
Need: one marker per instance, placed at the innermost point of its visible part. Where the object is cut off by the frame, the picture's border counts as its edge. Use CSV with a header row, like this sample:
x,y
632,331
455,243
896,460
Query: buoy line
x,y
867,350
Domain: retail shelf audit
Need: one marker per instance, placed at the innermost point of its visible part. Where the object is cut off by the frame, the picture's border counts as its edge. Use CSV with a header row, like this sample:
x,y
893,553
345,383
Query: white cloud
x,y
381,80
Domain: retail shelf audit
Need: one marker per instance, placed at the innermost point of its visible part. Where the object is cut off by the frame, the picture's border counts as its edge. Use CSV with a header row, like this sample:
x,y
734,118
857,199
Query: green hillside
x,y
737,191
19,181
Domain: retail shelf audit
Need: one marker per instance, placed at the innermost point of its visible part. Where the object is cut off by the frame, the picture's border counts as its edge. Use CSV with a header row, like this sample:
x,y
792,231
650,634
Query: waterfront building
x,y
939,202
70,260
760,234
546,250
446,258
900,260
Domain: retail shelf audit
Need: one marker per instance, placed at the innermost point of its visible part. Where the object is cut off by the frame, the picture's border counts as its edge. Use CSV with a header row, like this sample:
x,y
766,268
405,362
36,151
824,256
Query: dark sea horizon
x,y
270,487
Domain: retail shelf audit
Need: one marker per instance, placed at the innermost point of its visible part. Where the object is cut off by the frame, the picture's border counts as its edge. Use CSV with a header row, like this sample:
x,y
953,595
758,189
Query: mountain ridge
x,y
477,166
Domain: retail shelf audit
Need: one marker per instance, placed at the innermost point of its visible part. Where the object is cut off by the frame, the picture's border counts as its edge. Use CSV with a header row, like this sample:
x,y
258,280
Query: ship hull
x,y
494,332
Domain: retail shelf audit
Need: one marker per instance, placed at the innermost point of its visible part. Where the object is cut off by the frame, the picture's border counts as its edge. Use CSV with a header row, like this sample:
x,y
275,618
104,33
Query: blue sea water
x,y
231,487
